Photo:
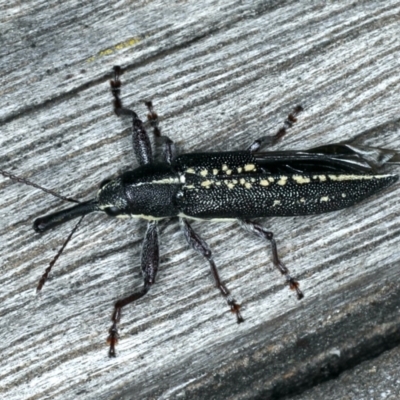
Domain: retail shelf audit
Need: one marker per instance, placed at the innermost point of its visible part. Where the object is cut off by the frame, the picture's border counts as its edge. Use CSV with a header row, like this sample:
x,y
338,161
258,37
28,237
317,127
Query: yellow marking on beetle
x,y
203,172
190,171
282,181
235,181
247,185
252,180
229,172
324,198
271,179
300,179
276,203
239,170
264,182
242,181
218,183
189,187
215,171
224,167
322,178
230,185
344,177
302,200
249,167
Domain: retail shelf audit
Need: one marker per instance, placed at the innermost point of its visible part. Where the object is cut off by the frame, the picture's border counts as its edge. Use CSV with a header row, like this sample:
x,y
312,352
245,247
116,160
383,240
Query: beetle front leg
x,y
169,148
271,140
199,245
149,265
267,235
140,139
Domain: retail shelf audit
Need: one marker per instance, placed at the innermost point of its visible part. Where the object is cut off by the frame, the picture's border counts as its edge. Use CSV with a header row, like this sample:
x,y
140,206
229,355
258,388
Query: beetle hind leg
x,y
267,235
271,140
201,247
149,265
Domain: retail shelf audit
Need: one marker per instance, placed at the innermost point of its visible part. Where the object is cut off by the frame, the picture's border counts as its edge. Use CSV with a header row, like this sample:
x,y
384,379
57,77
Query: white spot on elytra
x,y
249,167
322,178
300,179
282,181
206,184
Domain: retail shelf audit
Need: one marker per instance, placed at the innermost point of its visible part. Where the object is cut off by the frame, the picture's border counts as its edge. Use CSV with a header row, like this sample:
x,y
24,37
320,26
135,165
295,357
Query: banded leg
x,y
168,146
149,264
199,245
140,139
267,235
271,140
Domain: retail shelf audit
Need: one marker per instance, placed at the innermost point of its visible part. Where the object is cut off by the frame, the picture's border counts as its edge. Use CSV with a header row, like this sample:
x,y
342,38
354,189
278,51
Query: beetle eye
x,y
112,211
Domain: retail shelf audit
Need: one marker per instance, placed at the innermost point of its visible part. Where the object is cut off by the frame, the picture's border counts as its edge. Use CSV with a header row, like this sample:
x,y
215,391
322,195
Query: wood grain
x,y
220,75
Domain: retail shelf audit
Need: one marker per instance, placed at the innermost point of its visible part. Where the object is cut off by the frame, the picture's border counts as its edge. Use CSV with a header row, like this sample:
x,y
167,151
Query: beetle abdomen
x,y
263,195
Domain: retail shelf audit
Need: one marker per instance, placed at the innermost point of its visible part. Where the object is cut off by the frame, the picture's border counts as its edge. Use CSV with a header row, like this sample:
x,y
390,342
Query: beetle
x,y
235,185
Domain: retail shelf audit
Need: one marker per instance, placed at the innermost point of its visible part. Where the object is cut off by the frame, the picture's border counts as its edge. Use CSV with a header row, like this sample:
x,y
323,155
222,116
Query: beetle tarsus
x,y
294,285
112,340
235,308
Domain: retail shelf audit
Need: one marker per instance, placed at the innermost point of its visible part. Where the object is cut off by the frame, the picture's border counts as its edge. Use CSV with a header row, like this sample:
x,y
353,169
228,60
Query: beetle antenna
x,y
44,277
30,183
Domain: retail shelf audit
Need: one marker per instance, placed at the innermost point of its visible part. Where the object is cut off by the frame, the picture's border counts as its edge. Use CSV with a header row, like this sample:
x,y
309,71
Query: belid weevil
x,y
235,185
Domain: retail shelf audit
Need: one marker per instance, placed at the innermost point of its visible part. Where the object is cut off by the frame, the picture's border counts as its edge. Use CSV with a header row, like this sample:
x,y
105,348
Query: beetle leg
x,y
149,265
271,140
169,148
267,235
140,139
199,245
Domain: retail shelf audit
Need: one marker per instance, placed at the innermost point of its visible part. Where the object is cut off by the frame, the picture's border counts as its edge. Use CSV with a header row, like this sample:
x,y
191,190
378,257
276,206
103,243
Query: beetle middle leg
x,y
199,245
149,264
267,235
271,140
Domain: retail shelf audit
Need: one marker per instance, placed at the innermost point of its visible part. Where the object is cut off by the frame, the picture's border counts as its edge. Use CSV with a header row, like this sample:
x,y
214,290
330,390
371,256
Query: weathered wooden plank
x,y
220,75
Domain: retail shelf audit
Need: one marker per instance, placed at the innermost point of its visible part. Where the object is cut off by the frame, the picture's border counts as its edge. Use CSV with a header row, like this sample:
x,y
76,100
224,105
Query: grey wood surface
x,y
220,74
